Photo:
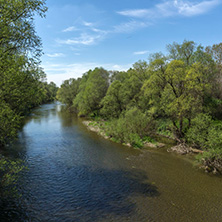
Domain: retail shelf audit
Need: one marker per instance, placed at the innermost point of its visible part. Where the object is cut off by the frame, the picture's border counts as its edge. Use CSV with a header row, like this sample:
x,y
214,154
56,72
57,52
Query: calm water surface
x,y
75,175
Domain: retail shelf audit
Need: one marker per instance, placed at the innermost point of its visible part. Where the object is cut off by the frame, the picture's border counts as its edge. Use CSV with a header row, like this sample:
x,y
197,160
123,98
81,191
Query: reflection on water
x,y
75,175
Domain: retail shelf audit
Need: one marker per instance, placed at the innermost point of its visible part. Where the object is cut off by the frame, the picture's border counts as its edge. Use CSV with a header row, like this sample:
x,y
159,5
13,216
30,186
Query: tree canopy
x,y
176,88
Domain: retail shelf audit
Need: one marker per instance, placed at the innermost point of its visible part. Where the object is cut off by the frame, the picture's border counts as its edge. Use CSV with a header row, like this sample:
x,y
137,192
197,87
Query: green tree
x,y
20,47
182,51
111,103
178,91
153,87
17,31
131,127
68,91
93,88
10,122
216,52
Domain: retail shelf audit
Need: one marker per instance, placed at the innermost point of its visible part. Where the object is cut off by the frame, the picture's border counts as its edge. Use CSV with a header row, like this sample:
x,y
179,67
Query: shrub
x,y
207,134
131,127
198,133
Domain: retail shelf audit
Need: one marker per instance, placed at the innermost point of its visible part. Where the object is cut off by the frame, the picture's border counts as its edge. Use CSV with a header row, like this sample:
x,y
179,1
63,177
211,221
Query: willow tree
x,y
178,92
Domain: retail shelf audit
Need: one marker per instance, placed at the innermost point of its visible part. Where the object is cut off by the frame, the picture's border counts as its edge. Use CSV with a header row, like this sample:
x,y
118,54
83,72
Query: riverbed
x,y
75,175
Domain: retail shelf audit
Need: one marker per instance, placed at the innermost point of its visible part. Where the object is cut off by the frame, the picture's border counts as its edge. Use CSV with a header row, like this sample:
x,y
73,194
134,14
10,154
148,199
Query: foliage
x,y
215,52
131,127
68,91
181,92
17,31
206,133
176,91
164,127
198,133
22,83
92,89
22,80
182,51
9,123
49,91
111,103
9,171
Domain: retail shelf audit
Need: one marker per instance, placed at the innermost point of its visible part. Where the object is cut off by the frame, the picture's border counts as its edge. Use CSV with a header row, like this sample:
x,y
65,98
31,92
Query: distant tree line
x,y
178,95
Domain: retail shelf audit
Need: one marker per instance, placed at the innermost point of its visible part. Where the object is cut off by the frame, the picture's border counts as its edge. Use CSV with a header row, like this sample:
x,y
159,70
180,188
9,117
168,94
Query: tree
x,y
141,68
20,74
93,88
10,122
182,51
177,91
111,103
68,91
216,52
17,31
154,86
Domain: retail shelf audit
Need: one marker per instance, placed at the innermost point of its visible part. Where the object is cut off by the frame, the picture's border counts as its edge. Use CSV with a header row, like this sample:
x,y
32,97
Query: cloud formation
x,y
60,72
138,13
140,52
70,29
83,39
130,26
172,8
90,34
54,55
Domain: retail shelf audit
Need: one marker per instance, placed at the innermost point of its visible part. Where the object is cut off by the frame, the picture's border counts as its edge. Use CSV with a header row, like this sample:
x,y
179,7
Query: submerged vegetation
x,y
178,95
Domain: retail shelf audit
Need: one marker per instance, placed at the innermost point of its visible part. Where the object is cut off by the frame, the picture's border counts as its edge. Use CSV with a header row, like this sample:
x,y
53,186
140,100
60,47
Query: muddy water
x,y
75,175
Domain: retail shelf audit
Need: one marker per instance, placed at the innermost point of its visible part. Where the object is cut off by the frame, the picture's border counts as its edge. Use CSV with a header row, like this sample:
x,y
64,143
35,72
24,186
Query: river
x,y
75,175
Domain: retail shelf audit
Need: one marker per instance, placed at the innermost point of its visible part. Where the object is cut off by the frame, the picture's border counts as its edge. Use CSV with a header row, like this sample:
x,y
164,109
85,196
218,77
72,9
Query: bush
x,y
135,140
131,127
207,134
212,160
165,127
198,133
215,136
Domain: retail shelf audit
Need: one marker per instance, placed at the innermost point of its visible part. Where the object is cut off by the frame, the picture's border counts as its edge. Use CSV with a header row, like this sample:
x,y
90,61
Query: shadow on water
x,y
72,176
81,194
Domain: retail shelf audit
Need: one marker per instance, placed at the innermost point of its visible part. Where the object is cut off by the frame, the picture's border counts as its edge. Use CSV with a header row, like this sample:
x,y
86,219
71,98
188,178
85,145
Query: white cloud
x,y
140,52
173,8
190,9
142,18
60,72
83,39
134,13
88,24
54,55
130,26
70,29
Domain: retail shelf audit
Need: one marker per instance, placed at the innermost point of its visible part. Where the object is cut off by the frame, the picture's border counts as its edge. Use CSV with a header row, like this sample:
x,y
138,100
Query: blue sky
x,y
79,35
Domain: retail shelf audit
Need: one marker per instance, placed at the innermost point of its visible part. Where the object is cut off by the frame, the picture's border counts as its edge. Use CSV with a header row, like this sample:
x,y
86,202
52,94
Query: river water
x,y
76,175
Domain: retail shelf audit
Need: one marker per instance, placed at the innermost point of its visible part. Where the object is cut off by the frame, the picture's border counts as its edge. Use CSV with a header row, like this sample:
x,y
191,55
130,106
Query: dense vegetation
x,y
22,81
177,95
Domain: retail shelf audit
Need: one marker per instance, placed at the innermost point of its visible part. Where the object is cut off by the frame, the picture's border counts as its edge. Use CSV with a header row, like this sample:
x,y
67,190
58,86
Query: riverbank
x,y
98,127
180,148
